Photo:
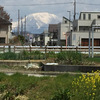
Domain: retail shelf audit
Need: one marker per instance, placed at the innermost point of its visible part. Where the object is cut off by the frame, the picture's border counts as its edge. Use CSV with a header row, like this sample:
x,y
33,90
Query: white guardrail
x,y
17,49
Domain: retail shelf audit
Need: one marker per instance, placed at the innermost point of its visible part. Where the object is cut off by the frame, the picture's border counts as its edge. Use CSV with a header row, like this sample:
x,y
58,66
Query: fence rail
x,y
18,49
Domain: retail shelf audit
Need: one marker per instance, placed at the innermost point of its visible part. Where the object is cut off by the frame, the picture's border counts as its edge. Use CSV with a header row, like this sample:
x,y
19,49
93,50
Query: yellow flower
x,y
93,93
94,86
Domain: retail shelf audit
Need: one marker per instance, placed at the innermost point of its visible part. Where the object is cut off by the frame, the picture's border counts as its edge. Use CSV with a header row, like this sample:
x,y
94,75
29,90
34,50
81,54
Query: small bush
x,y
69,57
9,56
61,95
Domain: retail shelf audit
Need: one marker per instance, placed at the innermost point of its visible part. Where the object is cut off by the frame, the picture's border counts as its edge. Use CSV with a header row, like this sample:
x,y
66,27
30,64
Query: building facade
x,y
53,34
5,27
84,25
5,31
64,32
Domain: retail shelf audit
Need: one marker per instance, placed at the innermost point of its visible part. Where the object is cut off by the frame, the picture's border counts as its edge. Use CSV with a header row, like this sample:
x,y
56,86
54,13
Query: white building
x,y
5,31
81,27
64,32
45,37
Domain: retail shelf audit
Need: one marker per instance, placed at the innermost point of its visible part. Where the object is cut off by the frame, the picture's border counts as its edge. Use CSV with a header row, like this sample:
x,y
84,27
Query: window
x,y
89,16
84,17
98,16
2,40
83,28
65,21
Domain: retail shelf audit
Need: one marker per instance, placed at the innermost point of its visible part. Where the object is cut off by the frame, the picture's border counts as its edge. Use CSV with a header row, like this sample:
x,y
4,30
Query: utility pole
x,y
74,9
89,42
92,42
25,27
69,19
18,22
21,26
67,36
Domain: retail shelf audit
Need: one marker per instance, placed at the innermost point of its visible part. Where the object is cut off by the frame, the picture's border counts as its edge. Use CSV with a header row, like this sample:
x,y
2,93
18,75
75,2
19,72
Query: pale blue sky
x,y
57,9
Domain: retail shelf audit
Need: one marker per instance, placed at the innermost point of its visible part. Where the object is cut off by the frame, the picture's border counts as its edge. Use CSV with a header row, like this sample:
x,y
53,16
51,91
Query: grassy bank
x,y
62,87
33,88
64,57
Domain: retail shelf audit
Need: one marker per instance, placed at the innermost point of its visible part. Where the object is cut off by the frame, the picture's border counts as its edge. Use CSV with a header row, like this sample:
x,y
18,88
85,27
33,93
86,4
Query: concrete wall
x,y
94,15
84,23
63,28
5,32
77,36
70,68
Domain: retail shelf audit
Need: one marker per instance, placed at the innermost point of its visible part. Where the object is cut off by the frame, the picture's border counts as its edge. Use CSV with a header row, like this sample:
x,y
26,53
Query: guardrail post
x,y
9,48
30,49
45,51
14,49
76,48
3,49
61,49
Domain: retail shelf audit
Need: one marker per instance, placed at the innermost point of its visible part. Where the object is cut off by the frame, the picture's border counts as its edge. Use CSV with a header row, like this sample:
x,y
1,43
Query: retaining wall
x,y
70,68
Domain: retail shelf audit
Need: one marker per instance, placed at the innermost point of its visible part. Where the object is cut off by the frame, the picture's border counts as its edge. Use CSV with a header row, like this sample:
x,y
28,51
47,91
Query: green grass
x,y
34,88
95,59
48,88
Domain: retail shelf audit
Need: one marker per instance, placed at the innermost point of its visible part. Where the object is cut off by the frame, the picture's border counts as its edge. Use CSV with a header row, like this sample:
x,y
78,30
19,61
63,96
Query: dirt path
x,y
5,70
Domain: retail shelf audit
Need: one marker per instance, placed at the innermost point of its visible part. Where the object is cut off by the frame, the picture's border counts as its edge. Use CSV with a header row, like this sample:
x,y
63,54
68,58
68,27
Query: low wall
x,y
70,68
19,62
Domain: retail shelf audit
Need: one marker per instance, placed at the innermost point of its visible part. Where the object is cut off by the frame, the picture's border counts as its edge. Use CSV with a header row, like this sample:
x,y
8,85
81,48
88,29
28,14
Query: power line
x,y
90,4
41,4
82,3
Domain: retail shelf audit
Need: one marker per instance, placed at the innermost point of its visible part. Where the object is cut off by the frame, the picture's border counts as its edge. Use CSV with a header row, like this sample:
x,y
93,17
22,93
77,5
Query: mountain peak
x,y
38,22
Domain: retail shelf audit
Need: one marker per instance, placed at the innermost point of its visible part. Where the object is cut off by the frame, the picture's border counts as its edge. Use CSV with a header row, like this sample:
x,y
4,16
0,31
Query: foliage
x,y
69,57
9,56
95,59
65,57
18,39
35,88
15,85
21,39
23,55
37,55
61,94
14,40
62,87
87,87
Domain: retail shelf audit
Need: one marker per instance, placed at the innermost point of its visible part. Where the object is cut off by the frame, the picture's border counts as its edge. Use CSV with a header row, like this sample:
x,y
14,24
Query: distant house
x,y
72,33
53,34
57,33
5,31
81,27
5,27
64,32
44,37
36,39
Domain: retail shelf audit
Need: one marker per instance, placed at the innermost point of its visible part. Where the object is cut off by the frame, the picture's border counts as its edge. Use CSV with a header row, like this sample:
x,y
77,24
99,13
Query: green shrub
x,y
24,55
2,76
62,94
2,87
9,56
69,57
51,54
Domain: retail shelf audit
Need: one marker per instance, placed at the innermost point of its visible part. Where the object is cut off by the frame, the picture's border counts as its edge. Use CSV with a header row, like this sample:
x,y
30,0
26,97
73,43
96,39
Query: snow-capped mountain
x,y
37,22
